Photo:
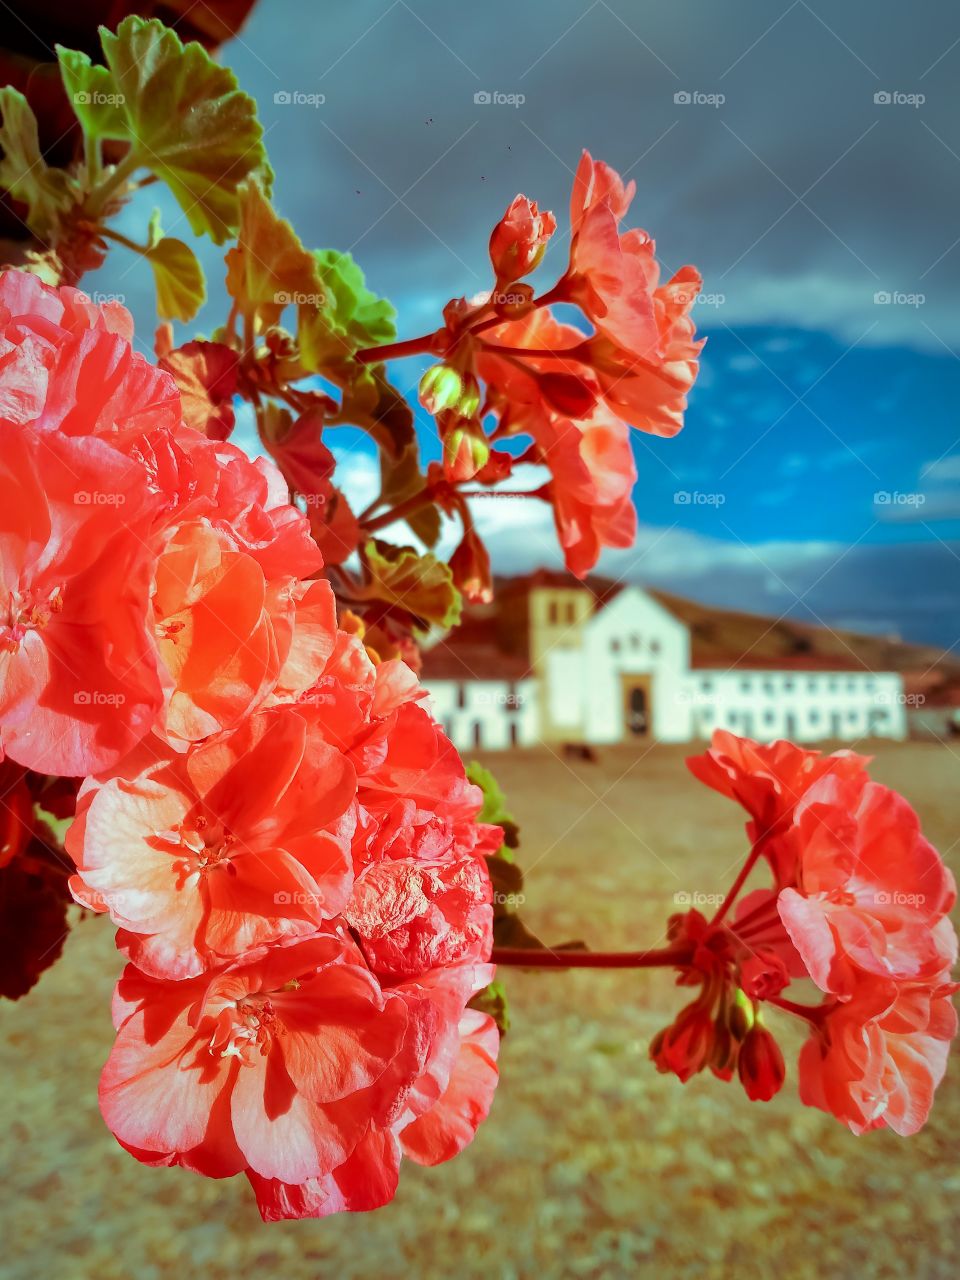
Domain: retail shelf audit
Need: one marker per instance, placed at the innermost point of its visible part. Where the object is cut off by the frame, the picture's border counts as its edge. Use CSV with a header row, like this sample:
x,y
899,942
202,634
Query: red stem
x,y
400,511
427,342
534,958
738,883
809,1013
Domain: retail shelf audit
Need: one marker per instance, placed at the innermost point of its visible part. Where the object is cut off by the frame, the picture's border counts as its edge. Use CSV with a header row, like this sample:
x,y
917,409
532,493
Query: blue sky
x,y
806,158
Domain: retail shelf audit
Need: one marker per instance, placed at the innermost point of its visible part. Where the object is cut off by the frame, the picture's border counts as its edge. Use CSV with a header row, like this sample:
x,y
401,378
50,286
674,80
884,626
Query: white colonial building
x,y
559,661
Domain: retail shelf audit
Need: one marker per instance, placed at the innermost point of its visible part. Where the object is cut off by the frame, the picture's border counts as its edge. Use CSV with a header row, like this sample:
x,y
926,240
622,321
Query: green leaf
x,y
494,801
507,879
186,120
269,269
400,479
495,808
371,402
420,584
181,288
24,173
351,317
357,311
92,93
510,931
493,1000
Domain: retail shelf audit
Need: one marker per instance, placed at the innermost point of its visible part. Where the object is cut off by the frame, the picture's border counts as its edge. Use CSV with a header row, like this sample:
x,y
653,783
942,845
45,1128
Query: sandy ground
x,y
591,1164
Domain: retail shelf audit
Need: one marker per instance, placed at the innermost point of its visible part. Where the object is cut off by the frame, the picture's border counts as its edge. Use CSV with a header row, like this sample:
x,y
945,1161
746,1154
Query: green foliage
x,y
24,173
184,116
421,585
181,288
494,806
400,480
269,268
349,317
493,1000
93,94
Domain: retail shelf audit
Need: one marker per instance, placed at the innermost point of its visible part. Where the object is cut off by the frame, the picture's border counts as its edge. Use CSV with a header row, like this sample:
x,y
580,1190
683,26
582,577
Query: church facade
x,y
557,662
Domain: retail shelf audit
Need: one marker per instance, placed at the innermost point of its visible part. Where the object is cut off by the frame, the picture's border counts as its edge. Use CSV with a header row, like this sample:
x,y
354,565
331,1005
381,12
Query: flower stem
x,y
426,343
400,511
738,883
809,1013
541,958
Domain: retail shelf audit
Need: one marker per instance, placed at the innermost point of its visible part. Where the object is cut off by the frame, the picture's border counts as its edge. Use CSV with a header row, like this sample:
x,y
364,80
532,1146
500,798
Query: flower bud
x,y
470,566
723,1055
446,389
465,450
520,238
684,1048
763,974
760,1065
741,1016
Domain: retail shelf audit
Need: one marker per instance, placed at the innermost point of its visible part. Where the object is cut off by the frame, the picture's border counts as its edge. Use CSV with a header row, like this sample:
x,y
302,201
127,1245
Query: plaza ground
x,y
591,1163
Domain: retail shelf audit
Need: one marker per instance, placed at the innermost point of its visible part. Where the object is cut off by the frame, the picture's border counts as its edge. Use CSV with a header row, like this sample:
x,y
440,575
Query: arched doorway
x,y
637,708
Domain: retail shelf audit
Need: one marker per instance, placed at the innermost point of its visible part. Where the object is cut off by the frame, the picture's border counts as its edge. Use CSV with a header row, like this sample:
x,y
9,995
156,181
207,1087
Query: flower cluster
x,y
287,843
858,910
508,360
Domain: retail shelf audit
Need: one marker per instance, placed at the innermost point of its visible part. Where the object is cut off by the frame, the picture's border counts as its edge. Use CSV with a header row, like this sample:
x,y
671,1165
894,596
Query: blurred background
x,y
806,157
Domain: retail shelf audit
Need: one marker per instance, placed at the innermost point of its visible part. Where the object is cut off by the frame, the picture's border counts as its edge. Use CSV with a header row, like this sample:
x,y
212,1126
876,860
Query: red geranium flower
x,y
769,780
871,894
242,841
295,1067
79,679
875,1062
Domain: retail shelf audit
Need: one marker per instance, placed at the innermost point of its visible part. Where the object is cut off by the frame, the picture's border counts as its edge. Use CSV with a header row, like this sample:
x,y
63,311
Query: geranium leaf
x,y
400,479
92,93
181,288
186,120
374,404
24,173
351,316
269,268
493,1001
206,373
420,584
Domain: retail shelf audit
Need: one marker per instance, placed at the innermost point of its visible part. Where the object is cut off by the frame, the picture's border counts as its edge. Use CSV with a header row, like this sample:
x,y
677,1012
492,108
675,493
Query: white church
x,y
559,661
